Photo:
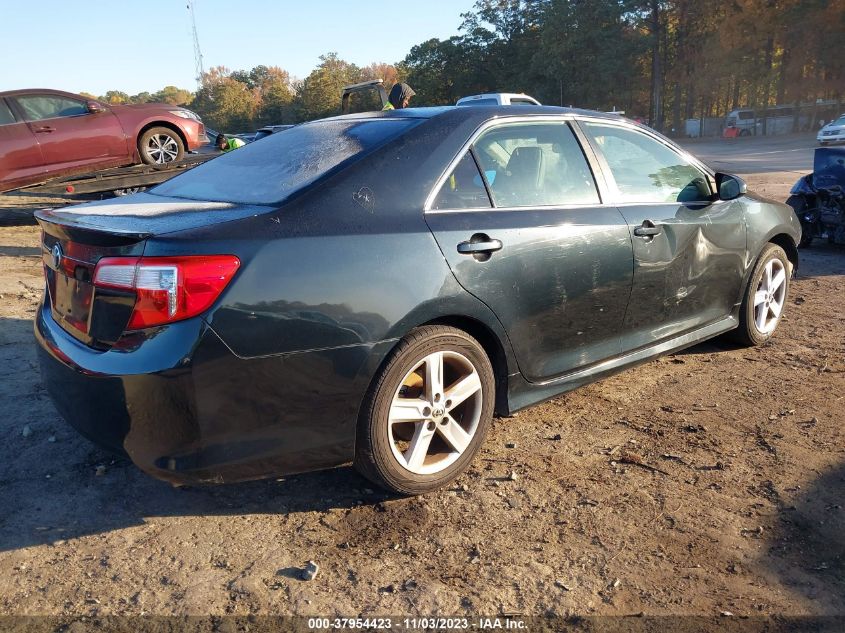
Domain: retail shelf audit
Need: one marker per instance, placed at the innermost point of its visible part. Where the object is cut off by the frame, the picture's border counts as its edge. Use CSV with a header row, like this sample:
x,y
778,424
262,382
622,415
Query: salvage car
x,y
49,133
374,288
818,199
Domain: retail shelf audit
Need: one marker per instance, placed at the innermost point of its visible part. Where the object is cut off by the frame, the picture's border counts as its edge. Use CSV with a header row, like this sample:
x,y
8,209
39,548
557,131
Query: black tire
x,y
160,145
374,449
744,133
748,333
799,206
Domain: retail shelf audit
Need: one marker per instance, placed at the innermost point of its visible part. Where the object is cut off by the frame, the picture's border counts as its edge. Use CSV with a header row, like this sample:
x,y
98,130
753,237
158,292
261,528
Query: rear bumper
x,y
187,410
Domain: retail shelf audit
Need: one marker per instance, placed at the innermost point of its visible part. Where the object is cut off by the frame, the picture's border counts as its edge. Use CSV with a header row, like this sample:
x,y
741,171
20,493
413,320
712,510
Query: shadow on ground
x,y
75,501
19,251
807,549
50,488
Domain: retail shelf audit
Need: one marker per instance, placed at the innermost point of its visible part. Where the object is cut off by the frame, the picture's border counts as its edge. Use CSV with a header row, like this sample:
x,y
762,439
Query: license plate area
x,y
72,300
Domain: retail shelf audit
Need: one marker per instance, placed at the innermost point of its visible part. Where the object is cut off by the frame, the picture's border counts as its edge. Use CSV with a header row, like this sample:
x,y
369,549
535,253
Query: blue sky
x,y
138,45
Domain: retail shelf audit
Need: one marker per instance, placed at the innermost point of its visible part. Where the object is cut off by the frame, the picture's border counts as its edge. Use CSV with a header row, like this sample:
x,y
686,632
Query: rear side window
x,y
6,115
268,172
464,188
535,164
38,107
646,170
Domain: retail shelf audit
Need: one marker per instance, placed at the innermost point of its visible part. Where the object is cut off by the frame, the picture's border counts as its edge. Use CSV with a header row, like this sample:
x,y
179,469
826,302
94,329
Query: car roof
x,y
459,114
28,91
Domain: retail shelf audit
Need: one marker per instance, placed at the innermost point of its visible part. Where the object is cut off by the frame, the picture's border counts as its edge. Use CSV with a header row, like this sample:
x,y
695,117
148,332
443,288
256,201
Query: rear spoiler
x,y
76,227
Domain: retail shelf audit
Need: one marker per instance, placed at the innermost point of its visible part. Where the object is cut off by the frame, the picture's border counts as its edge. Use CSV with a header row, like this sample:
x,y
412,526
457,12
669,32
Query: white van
x,y
778,120
497,98
745,120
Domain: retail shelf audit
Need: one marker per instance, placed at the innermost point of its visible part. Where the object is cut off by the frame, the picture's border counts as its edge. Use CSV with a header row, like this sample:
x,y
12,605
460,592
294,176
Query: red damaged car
x,y
49,133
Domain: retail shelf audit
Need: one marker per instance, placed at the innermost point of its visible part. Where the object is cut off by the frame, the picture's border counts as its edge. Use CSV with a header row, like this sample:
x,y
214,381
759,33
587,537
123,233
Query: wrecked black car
x,y
818,198
374,288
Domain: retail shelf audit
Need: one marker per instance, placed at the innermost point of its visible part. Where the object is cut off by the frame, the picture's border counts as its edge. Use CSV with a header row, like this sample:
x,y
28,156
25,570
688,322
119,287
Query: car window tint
x,y
269,171
38,107
535,164
522,102
646,170
6,115
464,188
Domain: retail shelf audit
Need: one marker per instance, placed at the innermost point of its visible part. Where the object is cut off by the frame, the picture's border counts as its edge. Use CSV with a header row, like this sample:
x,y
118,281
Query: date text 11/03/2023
x,y
419,624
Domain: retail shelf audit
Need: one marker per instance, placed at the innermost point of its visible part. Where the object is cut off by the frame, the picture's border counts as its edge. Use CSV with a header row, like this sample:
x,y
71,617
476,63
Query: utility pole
x,y
197,52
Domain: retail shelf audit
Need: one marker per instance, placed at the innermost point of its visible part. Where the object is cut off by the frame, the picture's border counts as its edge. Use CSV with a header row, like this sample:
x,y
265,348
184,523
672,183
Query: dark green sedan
x,y
374,288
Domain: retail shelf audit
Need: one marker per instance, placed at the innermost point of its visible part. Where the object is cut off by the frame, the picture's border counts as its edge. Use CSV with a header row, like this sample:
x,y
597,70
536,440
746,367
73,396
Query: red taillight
x,y
168,289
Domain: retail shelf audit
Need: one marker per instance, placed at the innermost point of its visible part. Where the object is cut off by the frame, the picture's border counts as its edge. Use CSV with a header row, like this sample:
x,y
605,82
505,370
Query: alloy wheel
x,y
435,413
162,148
770,296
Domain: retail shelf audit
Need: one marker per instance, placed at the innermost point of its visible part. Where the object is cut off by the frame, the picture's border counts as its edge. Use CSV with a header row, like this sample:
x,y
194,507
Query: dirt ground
x,y
706,482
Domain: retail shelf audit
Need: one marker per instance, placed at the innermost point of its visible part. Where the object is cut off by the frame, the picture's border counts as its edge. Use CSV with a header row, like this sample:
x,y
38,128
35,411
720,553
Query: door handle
x,y
484,245
647,229
46,128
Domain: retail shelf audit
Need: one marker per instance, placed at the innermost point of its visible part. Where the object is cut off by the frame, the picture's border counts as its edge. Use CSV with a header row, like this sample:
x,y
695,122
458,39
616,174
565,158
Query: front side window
x,y
266,173
39,107
646,170
6,115
535,164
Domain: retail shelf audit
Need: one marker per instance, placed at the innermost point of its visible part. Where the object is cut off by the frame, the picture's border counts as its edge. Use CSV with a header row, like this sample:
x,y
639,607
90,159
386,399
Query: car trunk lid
x,y
69,253
75,239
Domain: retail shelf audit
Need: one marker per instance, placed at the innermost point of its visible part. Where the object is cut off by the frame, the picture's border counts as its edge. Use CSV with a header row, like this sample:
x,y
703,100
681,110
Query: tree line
x,y
662,60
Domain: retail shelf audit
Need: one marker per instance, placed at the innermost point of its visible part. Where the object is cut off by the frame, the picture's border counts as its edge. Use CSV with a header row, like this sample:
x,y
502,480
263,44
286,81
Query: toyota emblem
x,y
57,255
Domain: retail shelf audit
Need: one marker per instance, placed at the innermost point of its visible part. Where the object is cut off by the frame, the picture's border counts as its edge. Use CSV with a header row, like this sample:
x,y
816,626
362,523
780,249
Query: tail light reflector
x,y
167,289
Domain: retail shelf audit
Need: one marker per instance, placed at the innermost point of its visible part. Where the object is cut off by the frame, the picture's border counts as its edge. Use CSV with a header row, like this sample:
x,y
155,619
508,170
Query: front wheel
x,y
765,297
427,412
160,145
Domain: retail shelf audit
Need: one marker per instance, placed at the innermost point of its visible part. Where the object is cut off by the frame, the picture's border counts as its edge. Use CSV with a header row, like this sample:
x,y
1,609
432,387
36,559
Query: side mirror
x,y
730,187
94,107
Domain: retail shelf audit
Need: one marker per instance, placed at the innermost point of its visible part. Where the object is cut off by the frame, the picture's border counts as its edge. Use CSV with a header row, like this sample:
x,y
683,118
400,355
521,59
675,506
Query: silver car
x,y
833,131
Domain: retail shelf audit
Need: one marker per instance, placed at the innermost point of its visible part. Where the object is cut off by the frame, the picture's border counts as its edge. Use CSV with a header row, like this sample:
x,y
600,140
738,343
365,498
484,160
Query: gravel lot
x,y
699,483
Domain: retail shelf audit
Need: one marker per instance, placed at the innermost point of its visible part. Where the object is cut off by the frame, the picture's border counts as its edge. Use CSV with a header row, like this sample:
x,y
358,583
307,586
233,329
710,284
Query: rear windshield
x,y
269,171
